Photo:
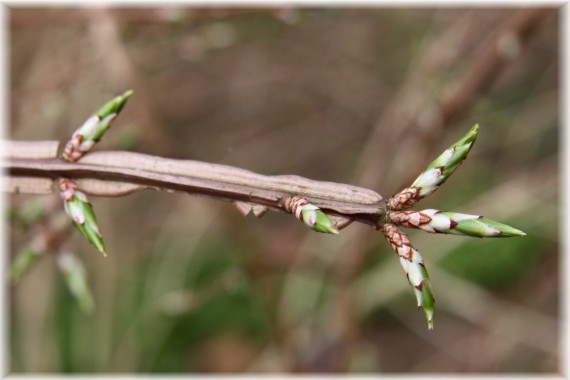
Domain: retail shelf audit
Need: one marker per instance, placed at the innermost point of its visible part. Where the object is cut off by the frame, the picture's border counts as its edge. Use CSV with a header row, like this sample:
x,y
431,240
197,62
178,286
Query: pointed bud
x,y
76,280
79,209
436,173
442,167
414,268
435,221
311,215
93,129
114,106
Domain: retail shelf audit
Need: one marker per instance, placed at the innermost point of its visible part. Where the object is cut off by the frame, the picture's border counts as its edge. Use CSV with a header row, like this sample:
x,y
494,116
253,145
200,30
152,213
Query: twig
x,y
121,173
491,59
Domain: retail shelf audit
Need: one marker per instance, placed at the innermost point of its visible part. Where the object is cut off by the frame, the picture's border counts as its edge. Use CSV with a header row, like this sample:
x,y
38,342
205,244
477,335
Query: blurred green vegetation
x,y
496,265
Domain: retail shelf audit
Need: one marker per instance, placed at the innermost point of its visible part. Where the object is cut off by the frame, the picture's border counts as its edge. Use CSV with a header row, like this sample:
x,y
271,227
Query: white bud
x,y
89,127
428,181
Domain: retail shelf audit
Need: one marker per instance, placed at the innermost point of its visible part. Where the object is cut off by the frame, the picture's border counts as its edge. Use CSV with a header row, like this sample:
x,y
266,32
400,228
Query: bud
x,y
93,129
436,173
79,209
414,268
404,199
435,221
442,167
311,215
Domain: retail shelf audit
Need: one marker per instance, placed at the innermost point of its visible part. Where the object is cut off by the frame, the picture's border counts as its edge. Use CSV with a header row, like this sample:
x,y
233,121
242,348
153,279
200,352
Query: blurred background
x,y
361,96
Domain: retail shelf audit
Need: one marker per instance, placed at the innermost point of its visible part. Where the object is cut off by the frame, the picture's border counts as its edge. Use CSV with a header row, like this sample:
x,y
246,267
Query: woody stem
x,y
121,173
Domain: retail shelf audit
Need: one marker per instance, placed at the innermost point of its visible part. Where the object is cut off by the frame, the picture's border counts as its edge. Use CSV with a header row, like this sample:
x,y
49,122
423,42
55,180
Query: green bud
x,y
114,106
426,302
323,223
422,286
413,265
442,167
311,215
435,221
483,227
77,206
93,129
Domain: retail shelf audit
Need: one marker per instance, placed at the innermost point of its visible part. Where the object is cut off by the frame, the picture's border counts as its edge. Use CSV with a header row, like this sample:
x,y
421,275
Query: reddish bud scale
x,y
71,152
85,137
404,199
414,268
398,240
402,246
295,206
67,189
409,219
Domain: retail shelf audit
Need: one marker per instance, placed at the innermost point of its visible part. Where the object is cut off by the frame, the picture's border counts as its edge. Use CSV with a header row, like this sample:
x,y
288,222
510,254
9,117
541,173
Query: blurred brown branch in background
x,y
416,104
166,15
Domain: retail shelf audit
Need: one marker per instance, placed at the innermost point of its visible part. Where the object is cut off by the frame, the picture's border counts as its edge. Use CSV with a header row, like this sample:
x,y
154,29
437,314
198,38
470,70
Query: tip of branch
x,y
469,137
512,232
115,105
503,230
325,229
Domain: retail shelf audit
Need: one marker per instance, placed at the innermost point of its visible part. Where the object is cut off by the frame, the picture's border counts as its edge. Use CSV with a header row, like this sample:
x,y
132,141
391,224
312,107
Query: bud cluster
x,y
434,221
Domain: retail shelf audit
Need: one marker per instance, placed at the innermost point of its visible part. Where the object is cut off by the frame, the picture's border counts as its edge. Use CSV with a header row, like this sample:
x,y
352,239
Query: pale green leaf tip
x,y
428,311
100,247
92,237
332,230
122,100
508,231
115,105
504,229
473,131
512,232
325,229
469,137
324,224
427,303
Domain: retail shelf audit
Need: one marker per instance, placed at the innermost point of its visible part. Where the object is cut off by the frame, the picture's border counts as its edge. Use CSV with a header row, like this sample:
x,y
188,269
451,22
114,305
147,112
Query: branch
x,y
121,173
